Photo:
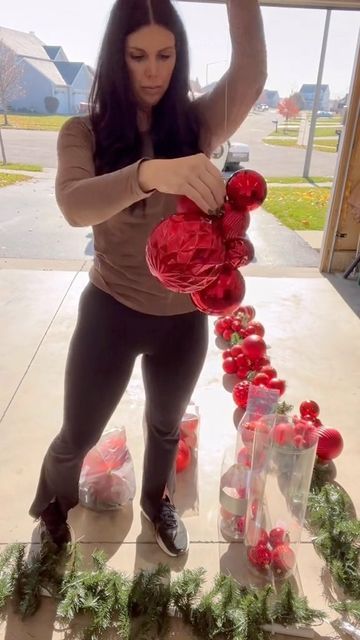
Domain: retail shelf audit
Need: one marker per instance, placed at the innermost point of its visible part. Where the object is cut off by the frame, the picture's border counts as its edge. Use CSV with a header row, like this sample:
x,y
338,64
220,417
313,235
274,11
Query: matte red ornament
x,y
246,189
330,443
183,457
234,222
185,252
222,296
239,252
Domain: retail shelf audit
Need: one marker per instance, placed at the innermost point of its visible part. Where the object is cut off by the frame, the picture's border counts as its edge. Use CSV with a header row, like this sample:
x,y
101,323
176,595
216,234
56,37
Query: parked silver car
x,y
230,156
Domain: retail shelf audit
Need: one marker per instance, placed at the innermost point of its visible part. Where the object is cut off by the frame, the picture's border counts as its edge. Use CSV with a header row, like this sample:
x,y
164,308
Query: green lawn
x,y
7,179
299,209
327,145
20,167
36,122
282,143
298,180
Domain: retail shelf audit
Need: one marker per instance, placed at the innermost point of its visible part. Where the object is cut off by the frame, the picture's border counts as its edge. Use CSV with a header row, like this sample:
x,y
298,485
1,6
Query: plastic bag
x,y
107,479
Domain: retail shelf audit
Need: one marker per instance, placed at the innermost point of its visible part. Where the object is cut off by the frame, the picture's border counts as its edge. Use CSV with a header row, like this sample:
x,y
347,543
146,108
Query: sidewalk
x,y
38,316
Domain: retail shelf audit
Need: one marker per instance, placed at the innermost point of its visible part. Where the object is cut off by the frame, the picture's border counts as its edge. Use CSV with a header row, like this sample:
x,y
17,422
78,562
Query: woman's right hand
x,y
192,176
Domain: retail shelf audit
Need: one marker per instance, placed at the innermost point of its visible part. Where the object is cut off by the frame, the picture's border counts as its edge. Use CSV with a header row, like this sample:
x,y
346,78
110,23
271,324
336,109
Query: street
x,y
39,147
32,227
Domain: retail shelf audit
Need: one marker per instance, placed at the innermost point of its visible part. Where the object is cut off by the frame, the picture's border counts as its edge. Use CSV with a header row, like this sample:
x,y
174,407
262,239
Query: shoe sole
x,y
161,544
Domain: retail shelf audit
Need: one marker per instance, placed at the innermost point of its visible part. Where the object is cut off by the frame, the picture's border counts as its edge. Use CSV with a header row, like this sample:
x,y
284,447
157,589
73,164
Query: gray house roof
x,y
310,88
52,51
23,44
48,69
68,70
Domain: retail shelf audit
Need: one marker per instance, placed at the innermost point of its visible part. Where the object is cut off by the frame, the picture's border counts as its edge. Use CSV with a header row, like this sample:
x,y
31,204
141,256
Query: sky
x,y
293,38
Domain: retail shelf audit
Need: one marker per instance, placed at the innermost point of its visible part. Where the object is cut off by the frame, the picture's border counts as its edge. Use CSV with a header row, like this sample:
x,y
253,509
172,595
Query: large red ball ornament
x,y
234,223
330,443
246,189
222,296
254,347
185,252
183,457
239,252
185,205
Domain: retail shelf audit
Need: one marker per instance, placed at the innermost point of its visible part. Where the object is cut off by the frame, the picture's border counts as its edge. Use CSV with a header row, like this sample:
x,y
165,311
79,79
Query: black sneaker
x,y
170,531
53,525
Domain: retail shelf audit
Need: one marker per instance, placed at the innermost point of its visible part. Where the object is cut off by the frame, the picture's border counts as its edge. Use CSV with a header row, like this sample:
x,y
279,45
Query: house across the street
x,y
47,73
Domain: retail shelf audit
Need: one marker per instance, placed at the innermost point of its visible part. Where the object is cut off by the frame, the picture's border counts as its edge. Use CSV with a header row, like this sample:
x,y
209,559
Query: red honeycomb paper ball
x,y
185,252
222,296
246,189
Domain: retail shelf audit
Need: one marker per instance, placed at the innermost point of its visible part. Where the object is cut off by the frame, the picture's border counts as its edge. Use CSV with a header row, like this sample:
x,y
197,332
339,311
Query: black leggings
x,y
107,339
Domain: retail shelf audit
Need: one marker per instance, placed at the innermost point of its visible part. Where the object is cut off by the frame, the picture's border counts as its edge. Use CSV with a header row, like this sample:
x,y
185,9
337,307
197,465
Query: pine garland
x,y
140,608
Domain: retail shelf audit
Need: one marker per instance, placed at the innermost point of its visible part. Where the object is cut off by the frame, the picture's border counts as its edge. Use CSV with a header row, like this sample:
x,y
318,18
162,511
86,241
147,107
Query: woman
x,y
120,171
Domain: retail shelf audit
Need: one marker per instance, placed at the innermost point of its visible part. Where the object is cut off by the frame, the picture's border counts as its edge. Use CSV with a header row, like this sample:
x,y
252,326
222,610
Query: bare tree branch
x,y
11,78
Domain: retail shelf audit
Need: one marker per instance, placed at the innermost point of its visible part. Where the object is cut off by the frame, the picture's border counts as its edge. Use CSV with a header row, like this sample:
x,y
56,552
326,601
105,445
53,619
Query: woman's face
x,y
150,57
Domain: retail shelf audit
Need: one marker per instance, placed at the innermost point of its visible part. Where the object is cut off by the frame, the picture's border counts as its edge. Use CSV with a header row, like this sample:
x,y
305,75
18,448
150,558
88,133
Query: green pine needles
x,y
140,607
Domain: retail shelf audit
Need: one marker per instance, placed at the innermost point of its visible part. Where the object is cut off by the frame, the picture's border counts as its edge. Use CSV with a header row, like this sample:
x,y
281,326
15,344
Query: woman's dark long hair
x,y
113,113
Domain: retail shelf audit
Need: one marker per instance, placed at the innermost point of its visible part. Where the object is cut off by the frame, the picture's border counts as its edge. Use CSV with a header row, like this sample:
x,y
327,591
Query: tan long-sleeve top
x,y
104,202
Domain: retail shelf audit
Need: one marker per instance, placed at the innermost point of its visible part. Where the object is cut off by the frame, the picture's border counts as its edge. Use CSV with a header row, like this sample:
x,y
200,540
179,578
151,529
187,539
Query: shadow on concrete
x,y
348,289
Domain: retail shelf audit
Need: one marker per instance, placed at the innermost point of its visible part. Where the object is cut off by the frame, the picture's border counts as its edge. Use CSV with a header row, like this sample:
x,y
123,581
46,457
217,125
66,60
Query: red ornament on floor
x,y
283,559
330,443
260,556
222,296
246,189
186,252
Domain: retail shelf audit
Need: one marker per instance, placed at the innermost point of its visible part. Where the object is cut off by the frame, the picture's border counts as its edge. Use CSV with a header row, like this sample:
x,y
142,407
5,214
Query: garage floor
x,y
313,329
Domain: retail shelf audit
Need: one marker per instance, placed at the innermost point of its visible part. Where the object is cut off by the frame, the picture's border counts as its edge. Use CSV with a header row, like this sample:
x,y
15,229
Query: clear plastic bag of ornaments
x,y
278,495
107,479
241,464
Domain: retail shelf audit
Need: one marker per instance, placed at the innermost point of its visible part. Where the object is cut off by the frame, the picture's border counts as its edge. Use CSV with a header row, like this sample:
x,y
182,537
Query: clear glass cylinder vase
x,y
280,492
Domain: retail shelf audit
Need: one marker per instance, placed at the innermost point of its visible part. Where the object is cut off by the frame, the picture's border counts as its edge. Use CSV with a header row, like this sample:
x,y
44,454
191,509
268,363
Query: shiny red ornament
x,y
223,295
330,443
246,189
309,408
183,457
185,252
283,559
277,536
254,347
241,393
185,205
234,222
239,252
260,556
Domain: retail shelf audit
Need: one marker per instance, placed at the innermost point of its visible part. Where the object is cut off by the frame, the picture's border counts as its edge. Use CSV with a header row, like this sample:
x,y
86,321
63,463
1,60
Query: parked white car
x,y
230,156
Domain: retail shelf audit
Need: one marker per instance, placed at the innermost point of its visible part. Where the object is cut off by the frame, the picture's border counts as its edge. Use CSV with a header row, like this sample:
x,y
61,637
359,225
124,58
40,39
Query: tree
x,y
288,108
297,97
11,78
51,104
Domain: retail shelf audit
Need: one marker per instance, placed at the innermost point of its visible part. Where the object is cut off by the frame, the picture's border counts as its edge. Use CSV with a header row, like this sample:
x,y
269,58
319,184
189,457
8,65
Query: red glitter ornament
x,y
223,295
246,189
185,252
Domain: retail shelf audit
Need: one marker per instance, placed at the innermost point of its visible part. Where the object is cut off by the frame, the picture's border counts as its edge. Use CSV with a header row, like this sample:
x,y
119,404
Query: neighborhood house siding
x,y
36,87
47,72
